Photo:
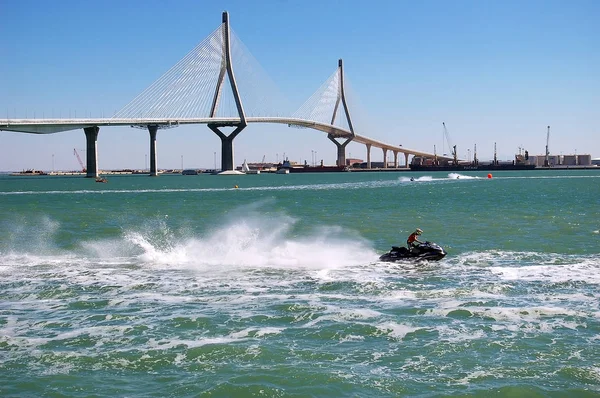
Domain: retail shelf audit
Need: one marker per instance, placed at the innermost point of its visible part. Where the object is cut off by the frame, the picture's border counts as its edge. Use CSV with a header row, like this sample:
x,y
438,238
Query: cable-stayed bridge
x,y
220,84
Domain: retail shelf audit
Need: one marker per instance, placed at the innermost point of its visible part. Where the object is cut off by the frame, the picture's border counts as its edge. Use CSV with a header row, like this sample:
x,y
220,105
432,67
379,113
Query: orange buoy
x,y
490,175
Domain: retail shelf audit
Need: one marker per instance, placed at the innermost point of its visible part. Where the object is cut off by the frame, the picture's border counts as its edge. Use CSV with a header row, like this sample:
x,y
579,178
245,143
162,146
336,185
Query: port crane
x,y
546,158
79,160
451,147
495,157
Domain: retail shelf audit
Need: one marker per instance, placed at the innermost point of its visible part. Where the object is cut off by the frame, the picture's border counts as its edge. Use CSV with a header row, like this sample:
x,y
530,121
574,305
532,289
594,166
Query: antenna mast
x,y
546,159
495,158
454,158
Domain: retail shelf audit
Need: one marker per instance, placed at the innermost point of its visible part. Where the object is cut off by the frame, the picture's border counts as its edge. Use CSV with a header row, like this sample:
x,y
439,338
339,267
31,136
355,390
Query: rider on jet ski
x,y
412,240
417,250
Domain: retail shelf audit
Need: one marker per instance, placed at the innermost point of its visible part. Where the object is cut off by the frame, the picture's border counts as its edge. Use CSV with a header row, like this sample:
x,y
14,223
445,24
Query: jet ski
x,y
427,251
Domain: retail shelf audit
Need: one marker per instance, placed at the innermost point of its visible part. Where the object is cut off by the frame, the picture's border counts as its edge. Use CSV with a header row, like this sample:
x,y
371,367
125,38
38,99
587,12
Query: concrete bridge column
x,y
406,160
91,138
341,150
395,159
384,158
153,169
368,156
227,163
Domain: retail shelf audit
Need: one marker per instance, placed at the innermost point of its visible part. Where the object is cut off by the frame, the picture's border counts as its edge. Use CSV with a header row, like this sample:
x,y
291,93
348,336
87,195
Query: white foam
x,y
417,179
584,271
301,187
478,374
532,266
458,333
266,331
351,338
254,264
327,186
396,330
457,176
253,242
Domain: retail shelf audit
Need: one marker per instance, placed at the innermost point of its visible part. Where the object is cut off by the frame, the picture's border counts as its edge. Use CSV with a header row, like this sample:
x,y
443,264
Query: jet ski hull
x,y
427,251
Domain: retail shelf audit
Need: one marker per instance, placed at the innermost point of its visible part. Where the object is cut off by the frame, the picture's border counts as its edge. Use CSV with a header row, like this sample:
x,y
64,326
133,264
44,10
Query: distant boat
x,y
101,179
30,172
286,165
246,169
189,172
420,163
470,167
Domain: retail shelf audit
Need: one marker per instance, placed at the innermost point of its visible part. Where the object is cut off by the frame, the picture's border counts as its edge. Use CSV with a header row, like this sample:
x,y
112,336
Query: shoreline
x,y
351,170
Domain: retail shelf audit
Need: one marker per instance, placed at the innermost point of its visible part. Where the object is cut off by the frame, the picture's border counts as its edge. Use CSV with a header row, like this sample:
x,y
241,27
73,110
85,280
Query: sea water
x,y
187,286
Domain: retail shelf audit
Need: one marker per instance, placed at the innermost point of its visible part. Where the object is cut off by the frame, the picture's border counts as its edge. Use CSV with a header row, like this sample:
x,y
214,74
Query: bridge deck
x,y
51,126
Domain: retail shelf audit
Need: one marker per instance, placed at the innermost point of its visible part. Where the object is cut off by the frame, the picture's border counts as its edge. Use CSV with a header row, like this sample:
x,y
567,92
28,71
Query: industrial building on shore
x,y
561,160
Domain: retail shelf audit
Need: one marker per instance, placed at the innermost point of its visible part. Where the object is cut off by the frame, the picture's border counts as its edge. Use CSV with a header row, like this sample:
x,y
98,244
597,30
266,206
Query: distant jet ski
x,y
427,251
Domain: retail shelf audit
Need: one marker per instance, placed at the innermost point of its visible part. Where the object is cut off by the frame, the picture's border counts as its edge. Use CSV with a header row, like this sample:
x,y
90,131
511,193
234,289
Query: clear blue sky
x,y
493,71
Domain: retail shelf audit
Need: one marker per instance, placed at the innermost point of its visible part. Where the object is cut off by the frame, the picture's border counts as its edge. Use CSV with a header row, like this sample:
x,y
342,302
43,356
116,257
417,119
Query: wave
x,y
157,297
457,176
451,176
532,266
302,187
245,238
417,179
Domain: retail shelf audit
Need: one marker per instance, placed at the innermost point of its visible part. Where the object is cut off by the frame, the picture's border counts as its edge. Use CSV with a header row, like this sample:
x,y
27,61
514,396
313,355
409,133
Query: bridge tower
x,y
91,139
341,96
227,162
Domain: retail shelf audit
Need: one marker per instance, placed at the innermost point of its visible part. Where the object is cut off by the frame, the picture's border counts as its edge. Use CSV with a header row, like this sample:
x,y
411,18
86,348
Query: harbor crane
x,y
546,158
79,160
451,147
495,157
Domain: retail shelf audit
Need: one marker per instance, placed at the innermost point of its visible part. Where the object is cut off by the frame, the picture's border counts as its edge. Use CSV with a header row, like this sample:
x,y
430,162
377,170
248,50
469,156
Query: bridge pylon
x,y
91,139
227,162
152,129
341,97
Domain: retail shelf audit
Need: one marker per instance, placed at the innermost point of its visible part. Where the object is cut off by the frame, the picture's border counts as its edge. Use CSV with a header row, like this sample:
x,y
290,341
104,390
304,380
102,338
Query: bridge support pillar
x,y
384,158
341,150
227,145
153,168
368,156
406,160
395,159
91,138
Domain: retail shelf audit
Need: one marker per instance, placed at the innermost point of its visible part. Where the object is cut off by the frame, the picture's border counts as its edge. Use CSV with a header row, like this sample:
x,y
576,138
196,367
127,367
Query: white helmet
x,y
419,231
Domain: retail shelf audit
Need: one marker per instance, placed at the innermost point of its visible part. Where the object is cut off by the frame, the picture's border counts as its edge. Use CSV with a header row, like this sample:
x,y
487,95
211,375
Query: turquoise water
x,y
185,286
